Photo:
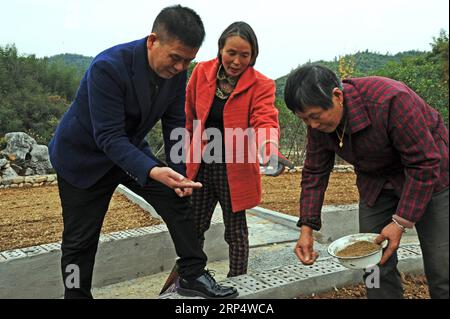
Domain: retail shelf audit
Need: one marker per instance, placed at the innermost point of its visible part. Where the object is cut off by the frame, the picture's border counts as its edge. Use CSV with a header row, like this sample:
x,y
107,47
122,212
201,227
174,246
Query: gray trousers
x,y
433,233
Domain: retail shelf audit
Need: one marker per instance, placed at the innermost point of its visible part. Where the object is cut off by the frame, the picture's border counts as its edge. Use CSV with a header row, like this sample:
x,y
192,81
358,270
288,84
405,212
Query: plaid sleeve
x,y
420,156
318,165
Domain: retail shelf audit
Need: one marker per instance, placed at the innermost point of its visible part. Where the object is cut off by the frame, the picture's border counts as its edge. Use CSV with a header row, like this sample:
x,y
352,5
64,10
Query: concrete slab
x,y
288,279
337,221
263,231
34,272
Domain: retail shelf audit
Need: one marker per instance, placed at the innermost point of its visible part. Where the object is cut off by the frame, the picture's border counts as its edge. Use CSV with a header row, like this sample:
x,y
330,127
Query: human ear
x,y
337,92
151,40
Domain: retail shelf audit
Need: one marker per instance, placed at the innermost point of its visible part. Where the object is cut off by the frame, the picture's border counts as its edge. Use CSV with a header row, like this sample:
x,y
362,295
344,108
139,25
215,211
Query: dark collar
x,y
153,77
141,69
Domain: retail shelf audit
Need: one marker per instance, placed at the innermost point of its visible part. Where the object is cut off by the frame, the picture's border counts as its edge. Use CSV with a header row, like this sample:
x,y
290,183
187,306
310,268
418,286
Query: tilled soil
x,y
415,287
282,193
32,216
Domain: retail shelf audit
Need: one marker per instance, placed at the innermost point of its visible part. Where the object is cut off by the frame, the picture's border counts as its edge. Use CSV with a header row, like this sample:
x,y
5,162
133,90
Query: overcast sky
x,y
289,32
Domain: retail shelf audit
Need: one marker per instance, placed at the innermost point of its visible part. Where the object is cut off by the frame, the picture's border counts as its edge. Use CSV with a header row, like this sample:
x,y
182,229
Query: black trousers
x,y
433,232
83,213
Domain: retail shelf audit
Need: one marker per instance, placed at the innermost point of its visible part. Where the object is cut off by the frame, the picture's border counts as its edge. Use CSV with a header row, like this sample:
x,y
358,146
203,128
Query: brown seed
x,y
358,249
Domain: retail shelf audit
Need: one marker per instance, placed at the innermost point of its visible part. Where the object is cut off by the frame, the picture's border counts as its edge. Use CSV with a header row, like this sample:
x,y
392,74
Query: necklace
x,y
225,84
341,138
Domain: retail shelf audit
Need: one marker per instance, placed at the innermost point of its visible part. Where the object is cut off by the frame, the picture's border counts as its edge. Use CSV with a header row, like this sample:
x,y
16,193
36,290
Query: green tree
x,y
33,95
440,50
292,134
422,74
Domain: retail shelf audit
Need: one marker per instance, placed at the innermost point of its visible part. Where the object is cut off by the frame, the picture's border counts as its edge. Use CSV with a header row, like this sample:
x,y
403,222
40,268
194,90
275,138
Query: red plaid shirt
x,y
392,136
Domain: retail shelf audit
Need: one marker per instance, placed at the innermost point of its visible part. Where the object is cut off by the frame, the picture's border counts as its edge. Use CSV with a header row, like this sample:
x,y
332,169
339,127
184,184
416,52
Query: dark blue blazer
x,y
112,113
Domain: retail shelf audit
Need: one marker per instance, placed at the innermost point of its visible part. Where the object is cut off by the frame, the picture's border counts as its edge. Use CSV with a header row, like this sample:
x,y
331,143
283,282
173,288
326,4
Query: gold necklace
x,y
341,138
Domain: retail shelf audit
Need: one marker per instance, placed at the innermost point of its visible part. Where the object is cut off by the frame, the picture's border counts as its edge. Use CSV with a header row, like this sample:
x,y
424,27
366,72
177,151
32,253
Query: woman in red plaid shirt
x,y
398,145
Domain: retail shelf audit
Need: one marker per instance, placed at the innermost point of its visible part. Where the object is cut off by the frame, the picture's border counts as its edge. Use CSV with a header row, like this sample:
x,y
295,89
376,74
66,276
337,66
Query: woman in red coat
x,y
228,100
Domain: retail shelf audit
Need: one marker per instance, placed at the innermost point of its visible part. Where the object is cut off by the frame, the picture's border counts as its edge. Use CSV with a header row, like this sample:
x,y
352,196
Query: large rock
x,y
3,162
8,173
40,160
24,157
18,146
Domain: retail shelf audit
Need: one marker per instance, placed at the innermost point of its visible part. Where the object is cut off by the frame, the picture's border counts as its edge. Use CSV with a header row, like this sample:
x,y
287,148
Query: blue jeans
x,y
433,233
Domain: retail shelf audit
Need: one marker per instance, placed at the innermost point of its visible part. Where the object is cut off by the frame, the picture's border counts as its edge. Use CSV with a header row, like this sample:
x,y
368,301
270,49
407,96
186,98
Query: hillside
x,y
80,62
35,92
365,62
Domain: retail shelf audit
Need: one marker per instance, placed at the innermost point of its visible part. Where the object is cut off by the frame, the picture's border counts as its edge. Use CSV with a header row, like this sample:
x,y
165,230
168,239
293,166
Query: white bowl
x,y
360,262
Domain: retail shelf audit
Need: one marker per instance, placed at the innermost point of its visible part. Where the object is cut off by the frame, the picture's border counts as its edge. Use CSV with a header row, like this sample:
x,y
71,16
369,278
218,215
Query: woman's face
x,y
324,120
236,55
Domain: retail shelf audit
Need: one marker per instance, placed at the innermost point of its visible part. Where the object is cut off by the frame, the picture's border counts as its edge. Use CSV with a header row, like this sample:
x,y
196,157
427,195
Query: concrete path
x,y
274,271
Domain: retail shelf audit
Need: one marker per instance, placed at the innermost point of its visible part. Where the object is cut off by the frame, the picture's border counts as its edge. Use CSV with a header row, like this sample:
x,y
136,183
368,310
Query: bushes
x,y
34,94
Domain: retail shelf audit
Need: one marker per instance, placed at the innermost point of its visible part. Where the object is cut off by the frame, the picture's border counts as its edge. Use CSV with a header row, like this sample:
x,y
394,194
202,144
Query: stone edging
x,y
34,272
46,180
291,281
336,168
29,181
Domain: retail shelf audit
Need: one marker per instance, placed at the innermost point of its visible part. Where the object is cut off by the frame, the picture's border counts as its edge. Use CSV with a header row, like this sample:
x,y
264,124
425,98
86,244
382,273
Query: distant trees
x,y
425,72
79,63
440,50
34,94
293,133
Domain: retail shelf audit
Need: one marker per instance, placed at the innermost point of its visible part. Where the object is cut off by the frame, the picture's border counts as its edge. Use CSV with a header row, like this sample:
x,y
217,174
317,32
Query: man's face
x,y
168,57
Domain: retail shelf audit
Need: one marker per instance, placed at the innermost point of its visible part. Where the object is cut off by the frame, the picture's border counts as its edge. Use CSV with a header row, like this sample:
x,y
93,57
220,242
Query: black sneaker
x,y
205,286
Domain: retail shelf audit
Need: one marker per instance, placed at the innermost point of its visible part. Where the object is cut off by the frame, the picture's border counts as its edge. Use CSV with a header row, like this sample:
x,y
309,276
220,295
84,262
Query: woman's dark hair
x,y
181,23
243,30
310,85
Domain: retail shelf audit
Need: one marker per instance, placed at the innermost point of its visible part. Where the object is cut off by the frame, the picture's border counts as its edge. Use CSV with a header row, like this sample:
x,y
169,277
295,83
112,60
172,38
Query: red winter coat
x,y
251,104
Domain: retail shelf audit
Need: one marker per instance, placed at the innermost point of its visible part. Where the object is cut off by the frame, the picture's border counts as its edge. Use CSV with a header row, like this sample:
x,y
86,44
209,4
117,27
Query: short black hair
x,y
310,85
243,30
181,23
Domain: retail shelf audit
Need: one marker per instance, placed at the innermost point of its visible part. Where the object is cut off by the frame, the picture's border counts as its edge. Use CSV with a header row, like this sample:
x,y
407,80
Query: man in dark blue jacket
x,y
100,143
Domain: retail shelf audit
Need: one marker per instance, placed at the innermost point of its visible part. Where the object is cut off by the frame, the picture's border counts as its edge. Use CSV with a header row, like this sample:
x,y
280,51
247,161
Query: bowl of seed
x,y
357,251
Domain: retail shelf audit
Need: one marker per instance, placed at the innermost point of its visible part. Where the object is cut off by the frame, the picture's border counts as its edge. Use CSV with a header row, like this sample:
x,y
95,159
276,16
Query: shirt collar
x,y
358,118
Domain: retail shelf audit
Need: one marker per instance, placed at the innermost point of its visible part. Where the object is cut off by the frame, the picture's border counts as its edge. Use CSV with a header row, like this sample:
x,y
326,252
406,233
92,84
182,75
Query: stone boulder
x,y
24,157
18,146
3,162
8,173
40,160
